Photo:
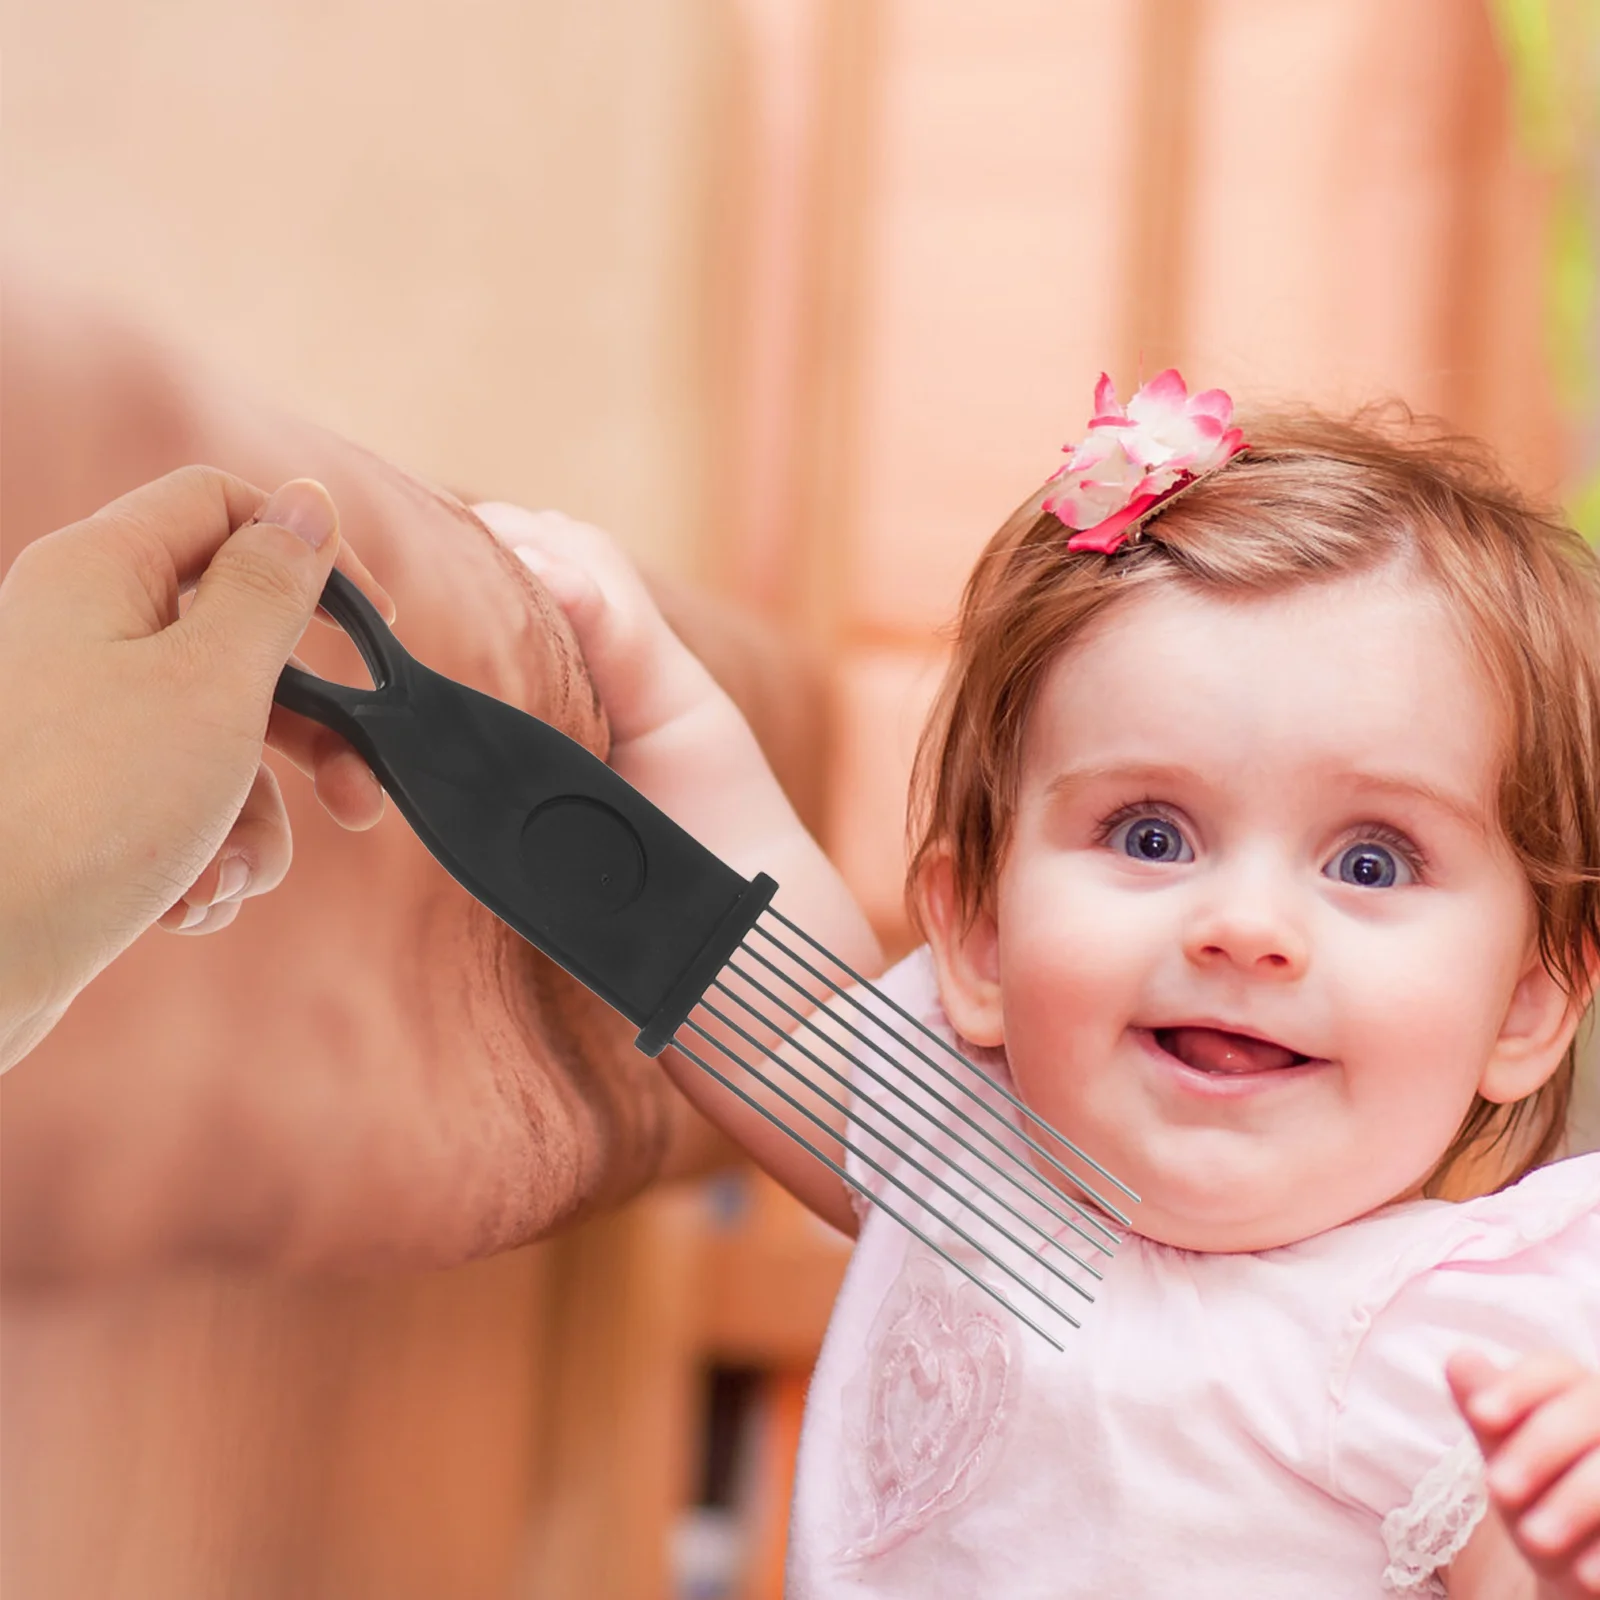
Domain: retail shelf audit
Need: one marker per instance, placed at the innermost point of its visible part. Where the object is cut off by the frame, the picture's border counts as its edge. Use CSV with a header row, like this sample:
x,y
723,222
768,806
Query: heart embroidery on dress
x,y
936,1386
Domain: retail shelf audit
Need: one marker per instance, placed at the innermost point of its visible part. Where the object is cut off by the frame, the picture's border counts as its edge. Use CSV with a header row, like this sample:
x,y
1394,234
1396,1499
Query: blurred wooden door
x,y
800,296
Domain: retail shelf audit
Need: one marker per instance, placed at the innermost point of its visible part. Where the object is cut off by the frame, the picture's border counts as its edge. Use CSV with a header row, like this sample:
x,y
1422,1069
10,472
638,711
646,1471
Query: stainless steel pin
x,y
1045,1194
1090,1219
805,1022
855,1150
873,1199
972,1066
933,1177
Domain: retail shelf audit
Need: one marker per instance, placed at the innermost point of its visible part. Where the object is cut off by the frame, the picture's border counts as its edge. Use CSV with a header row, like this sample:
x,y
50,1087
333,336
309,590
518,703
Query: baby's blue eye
x,y
1149,838
1370,866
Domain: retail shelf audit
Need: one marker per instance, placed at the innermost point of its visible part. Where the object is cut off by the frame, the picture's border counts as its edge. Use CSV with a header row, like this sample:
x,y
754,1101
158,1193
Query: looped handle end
x,y
384,657
338,705
334,705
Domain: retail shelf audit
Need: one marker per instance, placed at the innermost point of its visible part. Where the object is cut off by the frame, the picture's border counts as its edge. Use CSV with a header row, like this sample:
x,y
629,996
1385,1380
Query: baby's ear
x,y
966,955
1538,1030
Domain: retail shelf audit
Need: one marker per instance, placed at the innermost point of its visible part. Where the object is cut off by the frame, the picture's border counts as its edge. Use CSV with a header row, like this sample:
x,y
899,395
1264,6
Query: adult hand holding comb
x,y
134,792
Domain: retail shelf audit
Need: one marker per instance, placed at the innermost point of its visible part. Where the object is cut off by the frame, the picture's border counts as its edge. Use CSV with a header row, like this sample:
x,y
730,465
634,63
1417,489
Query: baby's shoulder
x,y
1513,1260
1348,1332
1507,1274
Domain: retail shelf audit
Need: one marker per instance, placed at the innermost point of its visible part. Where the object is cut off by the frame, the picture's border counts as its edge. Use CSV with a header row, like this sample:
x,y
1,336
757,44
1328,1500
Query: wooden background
x,y
799,297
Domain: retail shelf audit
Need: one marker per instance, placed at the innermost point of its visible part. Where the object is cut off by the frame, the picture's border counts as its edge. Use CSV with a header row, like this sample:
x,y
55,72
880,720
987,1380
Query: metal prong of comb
x,y
972,1067
855,1088
855,1183
933,1038
883,1172
1043,1194
911,1160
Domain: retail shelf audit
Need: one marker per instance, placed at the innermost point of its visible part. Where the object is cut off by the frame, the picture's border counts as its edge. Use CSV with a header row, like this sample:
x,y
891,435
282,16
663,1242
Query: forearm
x,y
706,769
680,739
27,986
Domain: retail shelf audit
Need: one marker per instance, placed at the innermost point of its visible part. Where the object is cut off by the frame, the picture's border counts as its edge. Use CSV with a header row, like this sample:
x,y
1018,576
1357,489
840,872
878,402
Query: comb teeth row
x,y
923,1120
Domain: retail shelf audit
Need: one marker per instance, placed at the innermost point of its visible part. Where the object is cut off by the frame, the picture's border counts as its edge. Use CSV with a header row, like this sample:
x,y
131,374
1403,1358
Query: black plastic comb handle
x,y
544,833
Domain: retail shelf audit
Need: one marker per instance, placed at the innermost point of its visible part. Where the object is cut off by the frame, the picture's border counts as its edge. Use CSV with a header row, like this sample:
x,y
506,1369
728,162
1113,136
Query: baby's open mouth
x,y
1213,1050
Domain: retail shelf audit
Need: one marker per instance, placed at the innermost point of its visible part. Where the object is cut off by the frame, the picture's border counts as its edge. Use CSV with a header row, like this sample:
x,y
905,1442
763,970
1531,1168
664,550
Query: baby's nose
x,y
1252,934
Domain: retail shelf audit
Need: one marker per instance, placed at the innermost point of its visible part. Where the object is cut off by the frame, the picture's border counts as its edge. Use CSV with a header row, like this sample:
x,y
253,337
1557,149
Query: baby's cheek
x,y
1413,1054
1072,972
1063,927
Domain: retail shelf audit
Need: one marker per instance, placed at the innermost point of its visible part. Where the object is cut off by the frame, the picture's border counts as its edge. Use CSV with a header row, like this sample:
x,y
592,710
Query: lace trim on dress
x,y
1430,1532
927,1410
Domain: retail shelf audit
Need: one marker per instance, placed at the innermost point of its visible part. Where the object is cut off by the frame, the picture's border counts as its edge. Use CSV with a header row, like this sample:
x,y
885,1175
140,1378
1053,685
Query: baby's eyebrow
x,y
1155,774
1412,788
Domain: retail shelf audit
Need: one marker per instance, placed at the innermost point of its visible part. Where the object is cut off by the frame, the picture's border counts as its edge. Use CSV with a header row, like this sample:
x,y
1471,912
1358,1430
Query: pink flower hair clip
x,y
1137,456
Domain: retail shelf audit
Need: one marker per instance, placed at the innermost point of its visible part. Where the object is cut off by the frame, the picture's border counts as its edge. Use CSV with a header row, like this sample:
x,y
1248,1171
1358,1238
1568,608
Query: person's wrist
x,y
30,1004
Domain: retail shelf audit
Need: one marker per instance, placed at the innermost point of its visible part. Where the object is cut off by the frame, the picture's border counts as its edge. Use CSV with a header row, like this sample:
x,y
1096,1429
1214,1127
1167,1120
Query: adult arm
x,y
367,1068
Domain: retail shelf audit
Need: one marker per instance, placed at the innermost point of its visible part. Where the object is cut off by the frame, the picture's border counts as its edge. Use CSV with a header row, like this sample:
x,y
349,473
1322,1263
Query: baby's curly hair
x,y
1315,498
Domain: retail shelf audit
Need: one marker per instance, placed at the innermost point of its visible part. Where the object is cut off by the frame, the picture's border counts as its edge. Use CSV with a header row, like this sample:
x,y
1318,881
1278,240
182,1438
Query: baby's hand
x,y
677,737
646,678
1538,1425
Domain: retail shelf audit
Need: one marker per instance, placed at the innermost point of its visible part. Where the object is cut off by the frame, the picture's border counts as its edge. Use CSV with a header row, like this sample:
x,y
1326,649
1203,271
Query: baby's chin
x,y
1211,1235
1237,1222
1226,1191
1218,1219
1211,1201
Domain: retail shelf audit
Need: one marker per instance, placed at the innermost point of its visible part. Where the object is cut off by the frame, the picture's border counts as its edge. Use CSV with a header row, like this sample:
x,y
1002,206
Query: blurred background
x,y
799,298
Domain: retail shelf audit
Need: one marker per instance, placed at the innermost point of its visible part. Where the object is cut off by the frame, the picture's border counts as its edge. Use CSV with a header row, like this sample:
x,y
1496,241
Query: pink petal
x,y
1150,452
1207,427
1166,388
1169,477
1063,506
1216,403
1105,399
1233,442
1091,453
1140,448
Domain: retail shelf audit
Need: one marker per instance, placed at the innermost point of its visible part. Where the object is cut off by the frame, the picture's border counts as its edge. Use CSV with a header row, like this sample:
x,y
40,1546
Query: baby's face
x,y
1258,938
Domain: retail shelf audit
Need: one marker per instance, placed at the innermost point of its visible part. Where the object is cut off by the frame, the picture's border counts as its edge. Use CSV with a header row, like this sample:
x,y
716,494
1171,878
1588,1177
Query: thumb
x,y
261,589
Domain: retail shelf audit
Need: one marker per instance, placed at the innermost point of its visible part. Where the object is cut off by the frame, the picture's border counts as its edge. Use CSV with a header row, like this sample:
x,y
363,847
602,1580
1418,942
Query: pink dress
x,y
1223,1427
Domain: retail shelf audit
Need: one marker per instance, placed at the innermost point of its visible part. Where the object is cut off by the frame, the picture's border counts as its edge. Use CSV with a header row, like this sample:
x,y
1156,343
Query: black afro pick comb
x,y
582,866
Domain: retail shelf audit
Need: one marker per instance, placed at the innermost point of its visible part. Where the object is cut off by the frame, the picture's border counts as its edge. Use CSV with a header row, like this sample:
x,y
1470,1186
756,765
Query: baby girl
x,y
1256,847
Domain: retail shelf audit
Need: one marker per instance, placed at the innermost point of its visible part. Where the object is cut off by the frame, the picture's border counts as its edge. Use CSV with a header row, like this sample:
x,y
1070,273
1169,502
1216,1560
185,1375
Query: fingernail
x,y
1489,1407
304,508
1508,1482
233,878
192,915
1547,1528
535,560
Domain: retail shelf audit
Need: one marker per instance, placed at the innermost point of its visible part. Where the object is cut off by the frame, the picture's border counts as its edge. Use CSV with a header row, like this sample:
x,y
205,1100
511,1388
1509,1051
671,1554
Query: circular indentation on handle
x,y
582,855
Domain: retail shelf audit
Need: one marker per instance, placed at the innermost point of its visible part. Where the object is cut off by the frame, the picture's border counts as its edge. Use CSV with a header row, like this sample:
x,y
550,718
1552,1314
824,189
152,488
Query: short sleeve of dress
x,y
906,1075
1510,1274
